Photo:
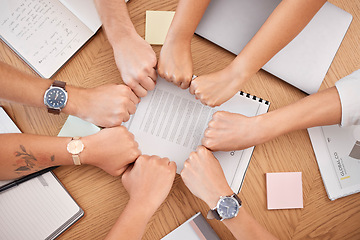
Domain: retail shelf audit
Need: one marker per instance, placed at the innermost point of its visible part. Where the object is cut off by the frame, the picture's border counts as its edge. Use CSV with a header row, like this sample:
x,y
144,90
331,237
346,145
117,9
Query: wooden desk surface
x,y
103,197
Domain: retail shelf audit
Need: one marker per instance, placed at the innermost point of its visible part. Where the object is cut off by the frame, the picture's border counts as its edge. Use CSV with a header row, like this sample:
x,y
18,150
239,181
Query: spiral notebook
x,y
170,122
40,208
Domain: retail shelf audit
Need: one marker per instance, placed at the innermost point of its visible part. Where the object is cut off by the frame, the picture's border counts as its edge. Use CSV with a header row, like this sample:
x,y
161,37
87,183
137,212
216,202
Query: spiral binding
x,y
254,97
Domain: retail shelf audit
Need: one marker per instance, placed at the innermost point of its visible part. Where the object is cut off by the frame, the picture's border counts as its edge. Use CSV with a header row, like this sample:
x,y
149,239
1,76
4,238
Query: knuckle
x,y
218,115
132,84
212,123
200,149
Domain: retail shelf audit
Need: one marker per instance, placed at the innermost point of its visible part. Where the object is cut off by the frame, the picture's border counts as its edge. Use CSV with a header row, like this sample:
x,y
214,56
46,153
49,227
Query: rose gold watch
x,y
75,147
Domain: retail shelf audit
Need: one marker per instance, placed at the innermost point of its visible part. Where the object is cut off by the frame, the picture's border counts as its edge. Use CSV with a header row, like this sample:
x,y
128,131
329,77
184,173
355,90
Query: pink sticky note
x,y
284,190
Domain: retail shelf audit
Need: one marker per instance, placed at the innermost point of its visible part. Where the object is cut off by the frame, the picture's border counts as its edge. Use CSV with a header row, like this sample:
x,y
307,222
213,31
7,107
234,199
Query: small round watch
x,y
55,97
227,207
75,147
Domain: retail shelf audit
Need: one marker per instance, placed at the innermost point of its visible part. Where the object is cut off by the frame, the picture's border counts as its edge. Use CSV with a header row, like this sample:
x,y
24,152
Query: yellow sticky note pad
x,y
157,26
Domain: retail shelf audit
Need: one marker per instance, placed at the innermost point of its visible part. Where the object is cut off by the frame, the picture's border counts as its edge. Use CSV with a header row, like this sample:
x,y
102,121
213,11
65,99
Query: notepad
x,y
284,190
46,34
196,228
157,26
337,151
40,208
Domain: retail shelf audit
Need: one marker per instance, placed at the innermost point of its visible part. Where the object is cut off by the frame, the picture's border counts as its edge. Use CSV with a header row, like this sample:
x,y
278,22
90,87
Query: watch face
x,y
228,207
75,147
55,97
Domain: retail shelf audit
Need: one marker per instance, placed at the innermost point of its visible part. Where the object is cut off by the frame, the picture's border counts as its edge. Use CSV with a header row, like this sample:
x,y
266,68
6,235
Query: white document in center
x,y
170,122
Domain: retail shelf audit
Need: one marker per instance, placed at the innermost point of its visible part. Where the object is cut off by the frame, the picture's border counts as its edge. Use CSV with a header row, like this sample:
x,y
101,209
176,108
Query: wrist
x,y
147,210
213,198
121,39
178,37
270,126
238,73
87,155
76,98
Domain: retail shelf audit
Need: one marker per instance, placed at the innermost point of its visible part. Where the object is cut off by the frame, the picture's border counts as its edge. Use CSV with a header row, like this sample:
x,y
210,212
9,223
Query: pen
x,y
26,178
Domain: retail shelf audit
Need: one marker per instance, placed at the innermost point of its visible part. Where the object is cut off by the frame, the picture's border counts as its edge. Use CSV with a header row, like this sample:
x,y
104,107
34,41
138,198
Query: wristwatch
x,y
227,207
75,147
55,97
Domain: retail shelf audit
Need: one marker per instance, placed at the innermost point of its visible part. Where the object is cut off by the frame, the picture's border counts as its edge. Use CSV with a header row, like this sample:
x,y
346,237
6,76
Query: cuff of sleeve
x,y
349,92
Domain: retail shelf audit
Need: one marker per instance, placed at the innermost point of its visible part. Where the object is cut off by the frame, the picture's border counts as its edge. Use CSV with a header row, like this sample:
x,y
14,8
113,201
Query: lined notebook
x,y
40,208
196,228
337,151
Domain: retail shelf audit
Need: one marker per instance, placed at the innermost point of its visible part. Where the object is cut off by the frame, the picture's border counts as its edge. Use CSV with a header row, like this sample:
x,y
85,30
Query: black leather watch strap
x,y
237,198
215,214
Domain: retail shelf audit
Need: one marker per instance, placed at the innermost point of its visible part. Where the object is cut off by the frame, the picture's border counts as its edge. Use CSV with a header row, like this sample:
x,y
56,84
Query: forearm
x,y
187,17
132,222
244,226
116,20
319,109
283,25
20,87
22,154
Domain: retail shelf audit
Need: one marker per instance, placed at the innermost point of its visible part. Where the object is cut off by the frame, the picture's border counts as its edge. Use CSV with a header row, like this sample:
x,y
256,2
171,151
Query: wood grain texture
x,y
103,197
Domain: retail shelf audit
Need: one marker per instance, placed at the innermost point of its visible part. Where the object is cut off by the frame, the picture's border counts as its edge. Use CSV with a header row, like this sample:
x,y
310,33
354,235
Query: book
x,y
46,34
196,228
40,208
170,122
337,151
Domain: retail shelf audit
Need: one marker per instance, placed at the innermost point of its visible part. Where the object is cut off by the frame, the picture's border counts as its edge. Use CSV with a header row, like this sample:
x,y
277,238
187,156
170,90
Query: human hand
x,y
231,131
149,179
136,61
203,175
106,106
175,63
111,149
215,88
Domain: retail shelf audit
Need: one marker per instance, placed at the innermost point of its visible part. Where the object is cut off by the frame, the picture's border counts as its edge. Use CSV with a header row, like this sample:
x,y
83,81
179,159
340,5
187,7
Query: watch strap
x,y
237,198
76,159
213,213
53,111
59,84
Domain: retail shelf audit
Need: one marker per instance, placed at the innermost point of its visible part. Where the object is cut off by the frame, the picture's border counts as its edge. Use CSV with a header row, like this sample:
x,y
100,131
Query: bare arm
x,y
230,131
22,154
148,183
107,106
134,57
283,25
204,177
175,63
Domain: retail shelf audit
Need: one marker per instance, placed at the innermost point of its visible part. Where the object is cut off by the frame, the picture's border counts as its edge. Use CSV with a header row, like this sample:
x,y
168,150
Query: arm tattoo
x,y
29,160
27,157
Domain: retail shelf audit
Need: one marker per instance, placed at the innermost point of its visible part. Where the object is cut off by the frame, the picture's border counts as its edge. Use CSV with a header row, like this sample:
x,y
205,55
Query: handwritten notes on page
x,y
44,33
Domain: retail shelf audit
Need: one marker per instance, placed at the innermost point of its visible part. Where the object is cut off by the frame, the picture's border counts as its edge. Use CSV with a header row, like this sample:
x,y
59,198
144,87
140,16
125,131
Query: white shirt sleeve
x,y
349,92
